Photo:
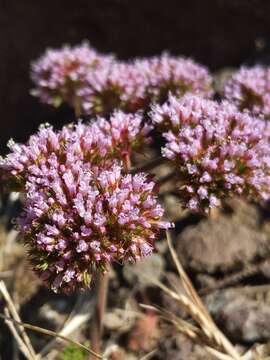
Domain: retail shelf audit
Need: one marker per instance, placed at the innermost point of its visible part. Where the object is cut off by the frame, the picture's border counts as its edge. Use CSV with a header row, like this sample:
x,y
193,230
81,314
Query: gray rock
x,y
240,315
224,241
145,271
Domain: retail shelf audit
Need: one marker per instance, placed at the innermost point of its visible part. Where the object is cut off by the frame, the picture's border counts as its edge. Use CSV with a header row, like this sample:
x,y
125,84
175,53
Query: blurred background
x,y
216,33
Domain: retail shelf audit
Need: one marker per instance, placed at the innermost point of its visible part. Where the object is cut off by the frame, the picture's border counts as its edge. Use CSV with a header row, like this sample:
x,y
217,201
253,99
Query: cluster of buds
x,y
249,90
97,143
80,222
96,84
59,74
218,151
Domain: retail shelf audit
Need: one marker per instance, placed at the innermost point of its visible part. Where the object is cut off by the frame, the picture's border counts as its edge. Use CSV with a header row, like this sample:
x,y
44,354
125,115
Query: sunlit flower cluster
x,y
218,151
249,89
82,211
97,143
79,222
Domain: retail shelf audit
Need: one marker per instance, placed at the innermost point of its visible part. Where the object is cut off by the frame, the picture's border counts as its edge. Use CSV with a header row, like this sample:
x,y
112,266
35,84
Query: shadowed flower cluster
x,y
218,151
97,143
96,84
117,86
133,86
177,75
60,73
249,89
79,222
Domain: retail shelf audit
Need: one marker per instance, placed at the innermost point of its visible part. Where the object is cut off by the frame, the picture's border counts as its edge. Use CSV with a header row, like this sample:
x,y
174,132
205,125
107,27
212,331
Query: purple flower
x,y
249,90
218,151
97,84
119,85
94,144
108,217
166,74
133,86
59,74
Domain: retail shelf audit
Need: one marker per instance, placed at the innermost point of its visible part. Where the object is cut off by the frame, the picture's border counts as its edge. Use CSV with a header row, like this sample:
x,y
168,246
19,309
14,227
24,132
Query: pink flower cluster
x,y
177,75
218,151
96,84
117,86
60,73
98,143
81,212
249,89
79,222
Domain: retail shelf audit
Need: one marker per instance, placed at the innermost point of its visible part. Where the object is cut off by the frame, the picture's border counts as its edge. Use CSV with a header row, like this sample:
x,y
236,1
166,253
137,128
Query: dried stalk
x,y
21,345
12,309
80,314
205,319
205,332
51,333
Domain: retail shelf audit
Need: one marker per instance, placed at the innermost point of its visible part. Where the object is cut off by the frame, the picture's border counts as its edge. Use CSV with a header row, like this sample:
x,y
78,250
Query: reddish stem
x,y
100,307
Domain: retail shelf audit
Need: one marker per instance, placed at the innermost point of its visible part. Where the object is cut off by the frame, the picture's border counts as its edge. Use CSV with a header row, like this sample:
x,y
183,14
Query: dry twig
x,y
12,310
205,332
51,333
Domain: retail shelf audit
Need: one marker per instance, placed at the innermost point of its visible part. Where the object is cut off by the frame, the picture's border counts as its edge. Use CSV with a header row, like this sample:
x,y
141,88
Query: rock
x,y
242,318
144,334
225,242
145,271
191,351
122,320
172,205
179,347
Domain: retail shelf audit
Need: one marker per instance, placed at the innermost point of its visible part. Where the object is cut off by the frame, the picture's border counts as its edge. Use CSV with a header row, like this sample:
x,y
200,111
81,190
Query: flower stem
x,y
166,178
77,108
101,302
149,165
127,162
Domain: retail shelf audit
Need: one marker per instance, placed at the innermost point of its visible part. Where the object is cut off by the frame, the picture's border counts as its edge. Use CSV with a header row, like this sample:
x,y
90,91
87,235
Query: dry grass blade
x,y
193,332
23,348
13,311
258,352
185,280
206,332
51,333
81,313
149,355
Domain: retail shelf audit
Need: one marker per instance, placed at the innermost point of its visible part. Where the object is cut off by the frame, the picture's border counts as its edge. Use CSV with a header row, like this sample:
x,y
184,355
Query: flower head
x,y
218,151
117,86
168,74
79,222
97,143
173,114
249,89
59,74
